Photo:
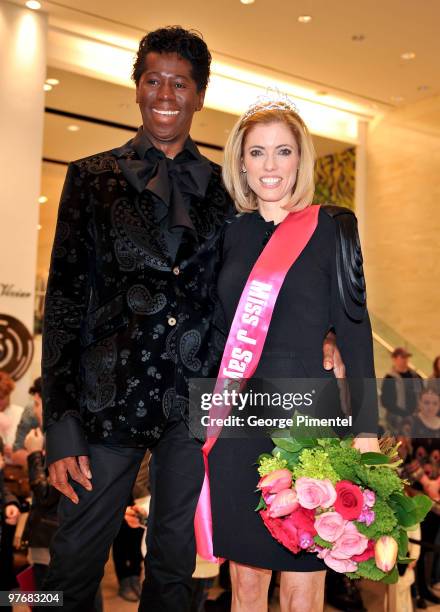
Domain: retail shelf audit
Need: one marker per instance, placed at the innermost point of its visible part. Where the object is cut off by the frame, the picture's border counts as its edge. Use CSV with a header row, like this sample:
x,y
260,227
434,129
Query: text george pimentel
x,y
282,423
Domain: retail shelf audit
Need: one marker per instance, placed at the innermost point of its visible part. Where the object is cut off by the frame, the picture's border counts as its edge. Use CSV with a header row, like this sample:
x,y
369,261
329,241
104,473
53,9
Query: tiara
x,y
273,99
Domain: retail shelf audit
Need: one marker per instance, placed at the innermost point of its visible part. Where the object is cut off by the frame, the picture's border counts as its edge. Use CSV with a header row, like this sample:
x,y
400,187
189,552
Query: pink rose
x,y
330,525
367,554
283,531
338,565
283,503
313,493
349,543
275,482
349,501
369,498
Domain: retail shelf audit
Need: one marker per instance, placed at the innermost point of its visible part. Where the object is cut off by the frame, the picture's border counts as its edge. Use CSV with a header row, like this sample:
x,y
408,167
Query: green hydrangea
x,y
383,480
368,569
270,464
384,523
314,463
344,462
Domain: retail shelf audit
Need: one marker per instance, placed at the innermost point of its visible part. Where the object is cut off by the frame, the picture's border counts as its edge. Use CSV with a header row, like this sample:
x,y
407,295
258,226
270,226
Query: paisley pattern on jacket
x,y
126,323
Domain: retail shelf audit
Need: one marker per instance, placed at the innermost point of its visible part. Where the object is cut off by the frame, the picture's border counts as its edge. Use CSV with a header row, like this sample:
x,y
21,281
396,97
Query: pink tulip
x,y
385,553
283,503
275,482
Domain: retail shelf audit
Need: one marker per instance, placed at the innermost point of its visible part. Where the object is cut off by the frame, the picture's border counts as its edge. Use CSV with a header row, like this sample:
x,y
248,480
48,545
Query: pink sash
x,y
247,337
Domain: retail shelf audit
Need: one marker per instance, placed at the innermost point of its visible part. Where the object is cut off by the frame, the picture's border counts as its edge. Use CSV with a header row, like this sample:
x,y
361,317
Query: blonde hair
x,y
235,180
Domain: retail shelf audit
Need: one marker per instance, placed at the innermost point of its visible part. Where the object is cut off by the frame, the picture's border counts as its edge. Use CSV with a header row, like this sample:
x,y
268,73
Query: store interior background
x,y
364,99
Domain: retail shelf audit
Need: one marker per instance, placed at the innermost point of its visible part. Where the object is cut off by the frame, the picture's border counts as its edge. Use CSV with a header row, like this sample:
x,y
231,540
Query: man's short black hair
x,y
189,44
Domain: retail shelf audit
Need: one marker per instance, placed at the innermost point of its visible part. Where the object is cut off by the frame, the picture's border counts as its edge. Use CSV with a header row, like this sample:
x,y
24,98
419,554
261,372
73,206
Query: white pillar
x,y
360,195
23,35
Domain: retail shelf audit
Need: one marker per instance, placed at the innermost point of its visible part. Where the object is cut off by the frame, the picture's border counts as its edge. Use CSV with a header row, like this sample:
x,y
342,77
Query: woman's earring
x,y
243,170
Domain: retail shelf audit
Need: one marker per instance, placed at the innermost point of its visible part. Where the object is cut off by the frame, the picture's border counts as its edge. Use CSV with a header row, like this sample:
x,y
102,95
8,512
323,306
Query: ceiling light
x,y
358,37
33,5
397,99
47,87
42,199
408,55
247,1
73,128
39,227
305,18
52,82
423,88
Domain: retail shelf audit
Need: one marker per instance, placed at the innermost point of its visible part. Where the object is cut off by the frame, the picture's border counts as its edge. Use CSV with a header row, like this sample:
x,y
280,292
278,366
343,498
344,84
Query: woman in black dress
x,y
268,171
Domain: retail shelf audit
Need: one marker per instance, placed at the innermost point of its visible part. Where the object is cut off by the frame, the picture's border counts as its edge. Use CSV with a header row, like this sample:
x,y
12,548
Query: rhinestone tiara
x,y
273,99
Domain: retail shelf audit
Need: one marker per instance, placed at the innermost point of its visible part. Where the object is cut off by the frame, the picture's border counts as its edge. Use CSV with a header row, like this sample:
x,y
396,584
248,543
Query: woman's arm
x,y
352,327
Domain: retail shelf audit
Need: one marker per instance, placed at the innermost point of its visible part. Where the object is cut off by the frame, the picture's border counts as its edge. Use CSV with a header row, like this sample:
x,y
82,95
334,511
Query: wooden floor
x,y
373,596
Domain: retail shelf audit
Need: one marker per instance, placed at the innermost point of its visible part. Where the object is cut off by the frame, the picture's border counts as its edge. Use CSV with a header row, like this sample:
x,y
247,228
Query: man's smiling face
x,y
168,98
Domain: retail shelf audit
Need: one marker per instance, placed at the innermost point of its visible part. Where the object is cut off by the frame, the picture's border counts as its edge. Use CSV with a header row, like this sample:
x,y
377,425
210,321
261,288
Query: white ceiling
x,y
321,53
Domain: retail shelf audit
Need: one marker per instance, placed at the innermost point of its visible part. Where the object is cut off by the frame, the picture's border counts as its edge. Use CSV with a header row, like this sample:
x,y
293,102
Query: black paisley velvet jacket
x,y
127,308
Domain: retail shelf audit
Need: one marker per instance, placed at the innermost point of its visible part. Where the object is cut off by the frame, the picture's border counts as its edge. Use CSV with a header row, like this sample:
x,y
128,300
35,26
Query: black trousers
x,y
81,545
176,478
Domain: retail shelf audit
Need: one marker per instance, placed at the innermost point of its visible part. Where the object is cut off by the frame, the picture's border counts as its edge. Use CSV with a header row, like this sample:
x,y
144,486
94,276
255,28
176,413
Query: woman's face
x,y
271,160
429,405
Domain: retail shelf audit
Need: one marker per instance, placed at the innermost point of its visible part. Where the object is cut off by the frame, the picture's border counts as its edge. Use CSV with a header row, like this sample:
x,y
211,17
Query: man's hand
x,y
34,441
332,356
77,468
11,514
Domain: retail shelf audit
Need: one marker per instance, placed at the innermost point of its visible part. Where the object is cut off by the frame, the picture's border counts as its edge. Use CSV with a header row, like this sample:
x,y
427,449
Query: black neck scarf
x,y
173,181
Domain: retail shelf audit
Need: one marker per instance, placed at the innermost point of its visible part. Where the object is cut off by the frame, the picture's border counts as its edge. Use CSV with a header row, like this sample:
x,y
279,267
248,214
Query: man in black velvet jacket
x,y
128,306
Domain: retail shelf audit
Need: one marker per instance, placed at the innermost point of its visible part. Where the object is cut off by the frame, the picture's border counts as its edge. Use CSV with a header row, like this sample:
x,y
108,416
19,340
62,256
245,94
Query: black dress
x,y
308,306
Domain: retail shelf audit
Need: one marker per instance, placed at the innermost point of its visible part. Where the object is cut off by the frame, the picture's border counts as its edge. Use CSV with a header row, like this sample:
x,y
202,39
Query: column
x,y
23,35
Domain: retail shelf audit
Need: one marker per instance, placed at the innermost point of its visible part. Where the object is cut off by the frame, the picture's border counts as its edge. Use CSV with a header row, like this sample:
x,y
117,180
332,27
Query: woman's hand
x,y
332,359
367,444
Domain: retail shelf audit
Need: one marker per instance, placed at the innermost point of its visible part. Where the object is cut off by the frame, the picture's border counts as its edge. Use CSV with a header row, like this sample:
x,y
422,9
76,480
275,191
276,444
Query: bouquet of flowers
x,y
323,496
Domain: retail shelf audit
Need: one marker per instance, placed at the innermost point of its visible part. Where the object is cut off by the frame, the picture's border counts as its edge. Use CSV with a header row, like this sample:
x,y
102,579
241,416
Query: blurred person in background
x,y
30,419
9,515
433,381
13,413
422,461
400,390
42,522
